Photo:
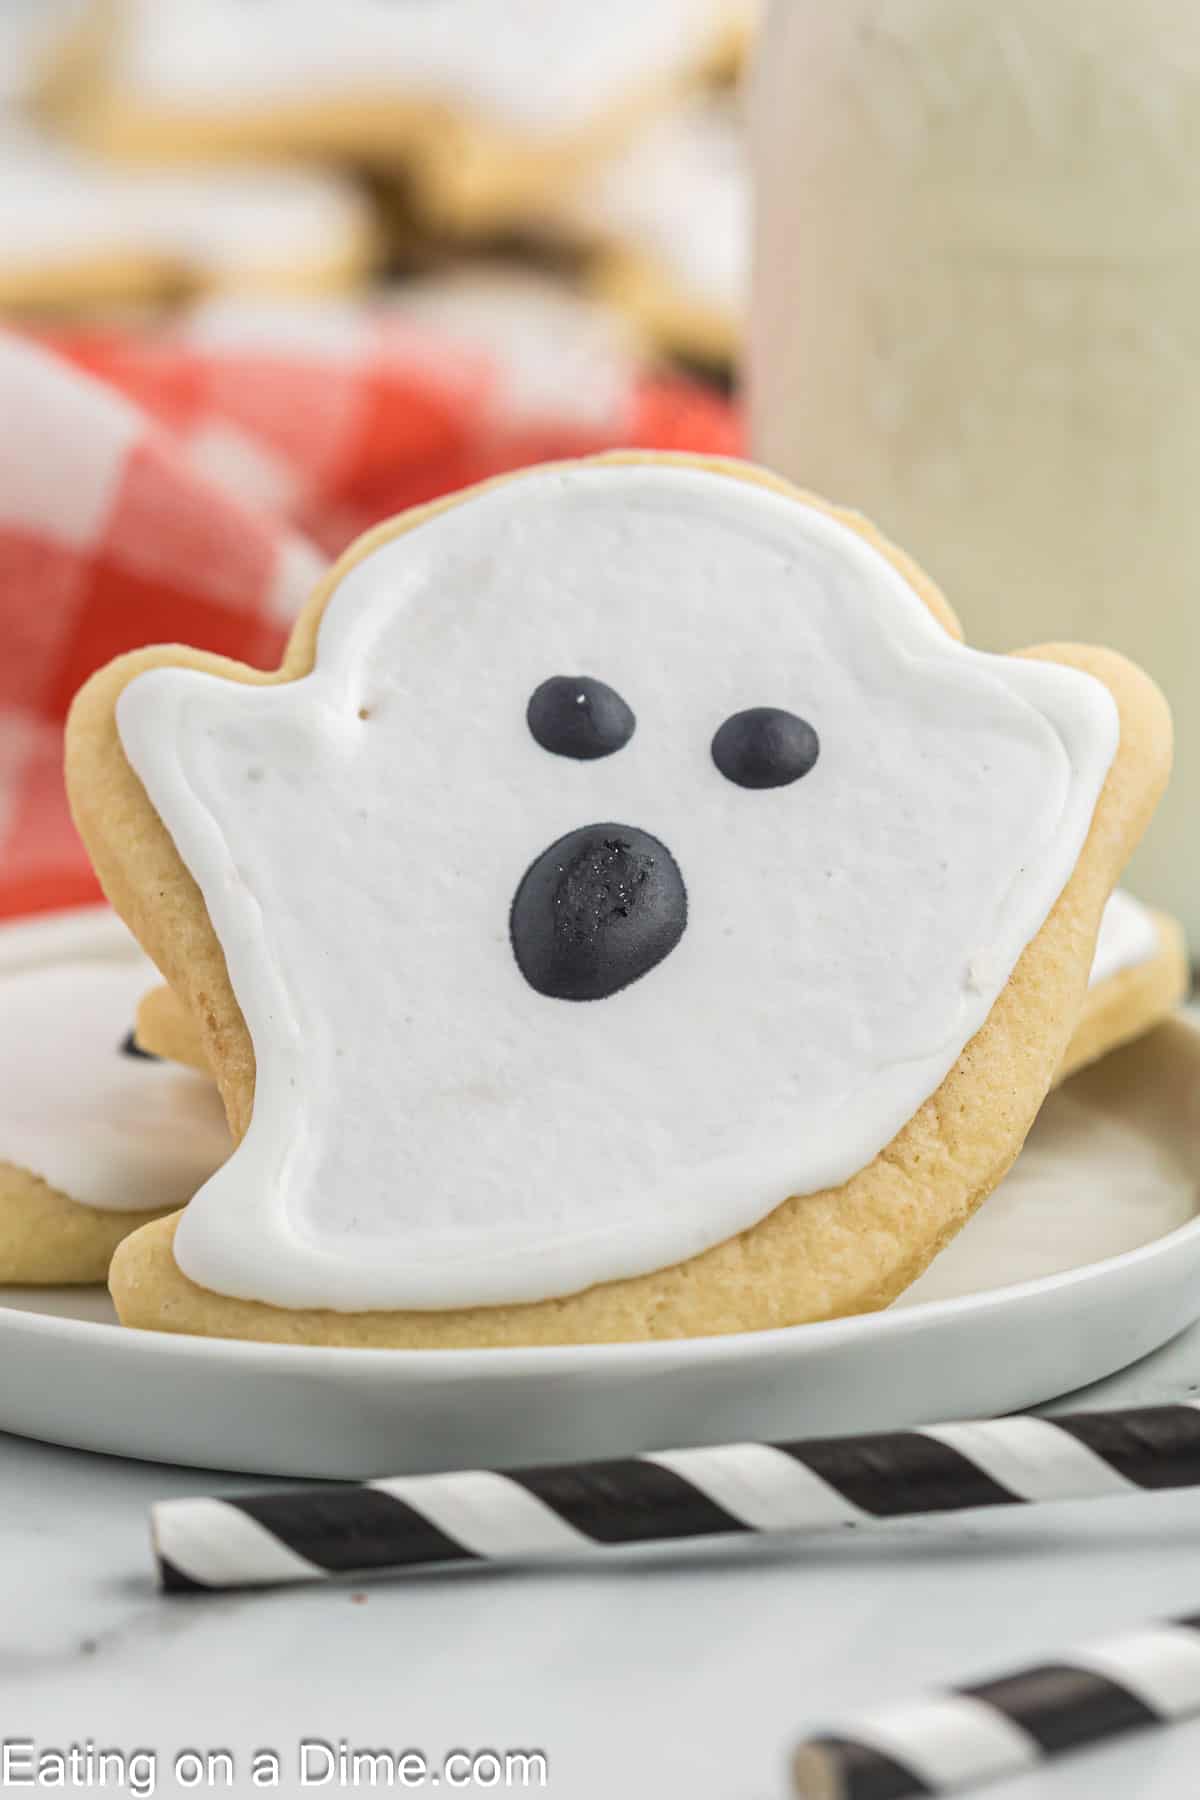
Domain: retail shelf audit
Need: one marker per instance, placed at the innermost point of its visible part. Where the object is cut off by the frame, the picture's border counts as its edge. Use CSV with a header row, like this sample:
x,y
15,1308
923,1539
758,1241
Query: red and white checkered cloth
x,y
187,485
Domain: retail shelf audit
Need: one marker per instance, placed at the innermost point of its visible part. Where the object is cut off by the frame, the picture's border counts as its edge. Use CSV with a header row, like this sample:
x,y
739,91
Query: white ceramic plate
x,y
1087,1258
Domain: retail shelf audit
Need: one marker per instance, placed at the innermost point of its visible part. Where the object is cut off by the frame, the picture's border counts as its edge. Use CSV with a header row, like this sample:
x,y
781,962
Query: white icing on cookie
x,y
61,208
544,67
430,1130
1128,937
119,1132
679,197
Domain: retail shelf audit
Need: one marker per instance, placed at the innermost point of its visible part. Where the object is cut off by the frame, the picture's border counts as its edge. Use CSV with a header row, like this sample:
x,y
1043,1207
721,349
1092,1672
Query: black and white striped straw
x,y
313,1534
960,1738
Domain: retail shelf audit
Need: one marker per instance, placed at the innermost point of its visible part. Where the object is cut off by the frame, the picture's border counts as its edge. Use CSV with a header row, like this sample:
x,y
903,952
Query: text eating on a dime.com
x,y
313,1763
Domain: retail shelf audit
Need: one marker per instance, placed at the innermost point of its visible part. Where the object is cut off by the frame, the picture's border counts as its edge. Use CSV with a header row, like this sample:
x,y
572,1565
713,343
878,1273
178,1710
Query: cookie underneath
x,y
1132,1002
95,1140
164,1027
49,1240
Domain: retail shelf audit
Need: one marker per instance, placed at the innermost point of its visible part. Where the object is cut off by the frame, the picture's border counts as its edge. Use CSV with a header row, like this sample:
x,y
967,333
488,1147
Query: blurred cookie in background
x,y
39,38
669,220
79,232
492,106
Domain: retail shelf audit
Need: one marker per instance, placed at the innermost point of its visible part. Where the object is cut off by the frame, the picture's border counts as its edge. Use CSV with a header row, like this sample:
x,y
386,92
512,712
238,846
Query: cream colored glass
x,y
977,316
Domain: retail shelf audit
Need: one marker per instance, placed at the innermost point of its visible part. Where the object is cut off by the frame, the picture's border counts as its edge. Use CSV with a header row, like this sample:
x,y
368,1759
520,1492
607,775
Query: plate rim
x,y
582,1359
28,939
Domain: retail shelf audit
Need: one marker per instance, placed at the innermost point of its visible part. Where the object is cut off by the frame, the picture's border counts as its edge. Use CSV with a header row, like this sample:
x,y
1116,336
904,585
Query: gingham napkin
x,y
188,485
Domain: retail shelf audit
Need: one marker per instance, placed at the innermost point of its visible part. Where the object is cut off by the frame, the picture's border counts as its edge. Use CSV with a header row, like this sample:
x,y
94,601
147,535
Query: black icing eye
x,y
765,747
573,715
131,1047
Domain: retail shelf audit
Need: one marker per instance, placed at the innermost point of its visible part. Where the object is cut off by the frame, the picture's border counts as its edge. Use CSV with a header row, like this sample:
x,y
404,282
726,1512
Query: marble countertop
x,y
648,1676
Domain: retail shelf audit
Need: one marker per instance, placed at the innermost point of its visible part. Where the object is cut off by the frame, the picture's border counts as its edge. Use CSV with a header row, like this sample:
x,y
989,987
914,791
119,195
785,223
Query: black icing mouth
x,y
596,911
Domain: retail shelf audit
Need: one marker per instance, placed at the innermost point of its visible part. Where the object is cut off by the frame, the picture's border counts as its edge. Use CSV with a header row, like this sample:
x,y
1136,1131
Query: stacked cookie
x,y
669,223
96,1137
491,106
82,231
603,142
79,230
630,911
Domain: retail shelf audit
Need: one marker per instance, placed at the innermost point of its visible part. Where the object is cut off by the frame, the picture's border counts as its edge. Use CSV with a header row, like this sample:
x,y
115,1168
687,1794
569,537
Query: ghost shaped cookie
x,y
96,1138
629,912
